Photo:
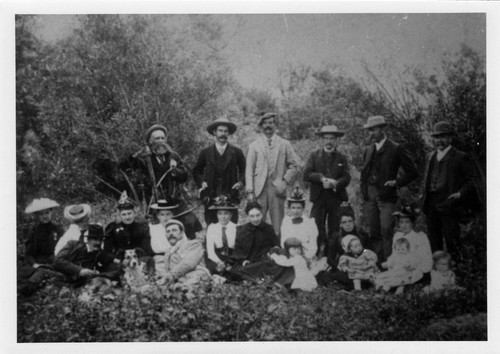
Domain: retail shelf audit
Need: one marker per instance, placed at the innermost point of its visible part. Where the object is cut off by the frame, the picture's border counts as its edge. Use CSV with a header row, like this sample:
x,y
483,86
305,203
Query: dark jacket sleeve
x,y
199,168
406,162
179,174
311,174
62,261
243,244
345,178
30,248
242,163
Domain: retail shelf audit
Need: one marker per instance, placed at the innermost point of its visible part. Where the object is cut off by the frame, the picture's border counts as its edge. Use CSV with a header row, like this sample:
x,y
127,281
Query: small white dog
x,y
135,270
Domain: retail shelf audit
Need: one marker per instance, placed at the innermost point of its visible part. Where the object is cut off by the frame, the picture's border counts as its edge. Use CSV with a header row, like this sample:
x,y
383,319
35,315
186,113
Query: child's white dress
x,y
306,232
402,271
304,278
442,281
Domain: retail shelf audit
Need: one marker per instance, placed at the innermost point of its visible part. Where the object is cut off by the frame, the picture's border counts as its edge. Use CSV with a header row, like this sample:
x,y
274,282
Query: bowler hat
x,y
77,212
95,231
375,121
40,204
330,129
221,121
153,128
266,116
442,128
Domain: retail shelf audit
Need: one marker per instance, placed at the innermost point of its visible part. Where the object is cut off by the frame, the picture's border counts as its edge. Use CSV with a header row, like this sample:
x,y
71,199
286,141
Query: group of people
x,y
295,250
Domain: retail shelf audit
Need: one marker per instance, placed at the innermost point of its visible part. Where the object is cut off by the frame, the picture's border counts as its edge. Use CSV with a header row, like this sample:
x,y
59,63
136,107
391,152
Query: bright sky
x,y
264,43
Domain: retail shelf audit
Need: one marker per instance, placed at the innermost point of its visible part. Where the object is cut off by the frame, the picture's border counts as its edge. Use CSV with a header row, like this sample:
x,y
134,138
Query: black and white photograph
x,y
274,175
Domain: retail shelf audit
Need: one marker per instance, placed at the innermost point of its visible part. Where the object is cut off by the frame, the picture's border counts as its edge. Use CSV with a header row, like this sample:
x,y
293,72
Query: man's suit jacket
x,y
459,177
316,168
392,157
233,165
285,168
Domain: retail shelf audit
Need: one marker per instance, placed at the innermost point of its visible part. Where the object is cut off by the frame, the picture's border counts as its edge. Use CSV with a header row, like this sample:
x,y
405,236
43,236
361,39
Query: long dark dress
x,y
253,244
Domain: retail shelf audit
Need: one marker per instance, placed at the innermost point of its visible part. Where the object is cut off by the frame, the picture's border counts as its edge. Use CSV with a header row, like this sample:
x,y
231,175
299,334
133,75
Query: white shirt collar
x,y
273,138
379,145
442,153
221,148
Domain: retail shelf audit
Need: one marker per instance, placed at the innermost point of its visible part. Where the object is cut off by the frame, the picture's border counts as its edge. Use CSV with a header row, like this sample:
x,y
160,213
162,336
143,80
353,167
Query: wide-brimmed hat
x,y
266,116
95,231
330,129
407,212
125,203
375,121
297,196
221,121
153,128
40,204
77,212
442,128
165,204
222,202
346,240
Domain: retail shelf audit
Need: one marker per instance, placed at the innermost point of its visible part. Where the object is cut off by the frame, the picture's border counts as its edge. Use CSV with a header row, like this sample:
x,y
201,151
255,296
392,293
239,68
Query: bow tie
x,y
297,220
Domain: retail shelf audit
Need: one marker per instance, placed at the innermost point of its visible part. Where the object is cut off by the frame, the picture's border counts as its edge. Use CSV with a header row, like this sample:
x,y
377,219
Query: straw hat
x,y
40,204
330,129
77,212
375,121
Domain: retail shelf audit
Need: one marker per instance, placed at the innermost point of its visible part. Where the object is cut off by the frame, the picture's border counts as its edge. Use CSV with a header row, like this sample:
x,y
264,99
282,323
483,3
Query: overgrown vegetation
x,y
89,97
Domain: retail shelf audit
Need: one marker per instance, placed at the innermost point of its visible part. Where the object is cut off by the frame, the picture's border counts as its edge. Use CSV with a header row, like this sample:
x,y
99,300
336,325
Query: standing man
x,y
271,167
379,183
220,169
449,180
328,173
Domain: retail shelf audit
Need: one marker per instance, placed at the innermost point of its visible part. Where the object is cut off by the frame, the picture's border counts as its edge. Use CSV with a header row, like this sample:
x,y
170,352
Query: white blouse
x,y
214,239
306,232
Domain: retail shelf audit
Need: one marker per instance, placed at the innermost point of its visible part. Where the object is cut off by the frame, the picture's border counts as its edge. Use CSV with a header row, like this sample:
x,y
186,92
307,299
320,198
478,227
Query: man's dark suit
x,y
221,173
454,173
326,202
380,201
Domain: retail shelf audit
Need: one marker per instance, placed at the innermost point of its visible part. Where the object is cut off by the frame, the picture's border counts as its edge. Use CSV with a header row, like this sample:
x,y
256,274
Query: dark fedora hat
x,y
442,128
153,128
221,121
329,129
96,231
267,116
375,121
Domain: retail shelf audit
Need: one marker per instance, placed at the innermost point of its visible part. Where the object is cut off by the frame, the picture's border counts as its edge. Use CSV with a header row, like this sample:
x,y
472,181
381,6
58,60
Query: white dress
x,y
420,248
159,245
304,278
306,232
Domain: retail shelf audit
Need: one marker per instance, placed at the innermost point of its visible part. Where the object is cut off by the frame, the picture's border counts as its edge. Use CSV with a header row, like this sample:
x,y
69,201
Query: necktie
x,y
269,141
224,241
297,220
82,235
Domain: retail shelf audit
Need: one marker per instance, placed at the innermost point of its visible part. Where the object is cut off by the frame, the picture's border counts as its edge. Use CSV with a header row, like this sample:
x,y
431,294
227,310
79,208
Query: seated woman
x,y
221,236
164,212
347,227
40,245
254,240
420,247
296,225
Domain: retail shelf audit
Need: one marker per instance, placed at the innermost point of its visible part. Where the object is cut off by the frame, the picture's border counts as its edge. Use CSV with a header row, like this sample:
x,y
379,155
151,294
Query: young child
x,y
401,265
358,262
221,236
304,278
442,277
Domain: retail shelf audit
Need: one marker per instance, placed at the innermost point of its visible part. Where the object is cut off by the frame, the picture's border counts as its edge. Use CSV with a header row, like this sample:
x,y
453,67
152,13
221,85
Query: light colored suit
x,y
268,182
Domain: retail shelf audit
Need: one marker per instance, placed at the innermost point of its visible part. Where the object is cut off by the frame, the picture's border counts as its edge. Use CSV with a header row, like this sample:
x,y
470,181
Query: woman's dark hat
x,y
222,202
165,204
125,203
346,209
407,212
297,196
221,121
